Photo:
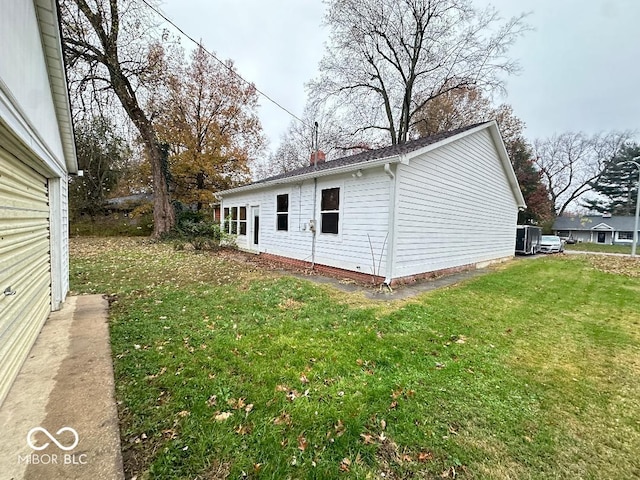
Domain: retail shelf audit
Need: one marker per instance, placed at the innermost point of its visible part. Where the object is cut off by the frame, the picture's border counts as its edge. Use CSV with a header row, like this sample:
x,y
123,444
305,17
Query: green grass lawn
x,y
599,247
226,370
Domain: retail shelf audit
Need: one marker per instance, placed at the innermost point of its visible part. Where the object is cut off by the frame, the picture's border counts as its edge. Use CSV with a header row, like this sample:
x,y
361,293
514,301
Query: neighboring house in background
x,y
606,229
127,204
37,153
436,204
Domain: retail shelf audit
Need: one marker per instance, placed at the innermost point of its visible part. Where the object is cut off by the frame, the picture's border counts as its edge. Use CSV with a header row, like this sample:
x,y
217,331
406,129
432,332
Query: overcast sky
x,y
580,63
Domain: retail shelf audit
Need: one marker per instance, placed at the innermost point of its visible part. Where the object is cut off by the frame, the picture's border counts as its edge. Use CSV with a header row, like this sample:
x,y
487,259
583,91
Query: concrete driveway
x,y
60,420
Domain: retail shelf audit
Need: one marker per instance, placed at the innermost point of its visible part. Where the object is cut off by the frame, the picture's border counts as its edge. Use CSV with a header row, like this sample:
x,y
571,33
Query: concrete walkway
x,y
397,293
66,383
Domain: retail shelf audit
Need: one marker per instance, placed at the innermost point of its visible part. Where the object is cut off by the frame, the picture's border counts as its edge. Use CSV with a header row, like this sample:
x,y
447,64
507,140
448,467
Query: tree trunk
x,y
105,53
200,187
163,213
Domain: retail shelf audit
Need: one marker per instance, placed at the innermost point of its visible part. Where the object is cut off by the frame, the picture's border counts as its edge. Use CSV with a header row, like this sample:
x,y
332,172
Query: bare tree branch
x,y
386,59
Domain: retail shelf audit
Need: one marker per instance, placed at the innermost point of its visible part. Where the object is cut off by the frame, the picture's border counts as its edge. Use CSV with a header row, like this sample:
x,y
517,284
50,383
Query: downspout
x,y
391,225
313,227
315,195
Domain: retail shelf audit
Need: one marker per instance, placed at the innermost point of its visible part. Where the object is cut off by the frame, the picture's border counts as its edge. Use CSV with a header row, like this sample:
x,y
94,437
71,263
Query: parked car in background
x,y
551,244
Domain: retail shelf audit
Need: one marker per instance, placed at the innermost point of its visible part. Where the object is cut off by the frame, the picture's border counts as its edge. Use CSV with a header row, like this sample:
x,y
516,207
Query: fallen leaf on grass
x,y
302,443
184,413
213,399
283,419
170,433
221,417
236,404
345,464
453,473
425,456
367,439
339,428
161,372
243,429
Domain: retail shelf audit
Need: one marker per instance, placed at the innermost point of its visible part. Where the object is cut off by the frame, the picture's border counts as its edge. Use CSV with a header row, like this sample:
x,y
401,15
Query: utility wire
x,y
166,19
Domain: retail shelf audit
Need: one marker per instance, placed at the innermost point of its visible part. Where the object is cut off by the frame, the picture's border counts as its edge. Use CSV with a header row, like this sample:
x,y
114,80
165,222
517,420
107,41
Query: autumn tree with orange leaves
x,y
208,119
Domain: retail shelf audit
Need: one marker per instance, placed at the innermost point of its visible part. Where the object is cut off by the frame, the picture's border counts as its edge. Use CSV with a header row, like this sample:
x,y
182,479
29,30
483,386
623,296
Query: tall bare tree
x,y
386,59
297,143
110,48
573,161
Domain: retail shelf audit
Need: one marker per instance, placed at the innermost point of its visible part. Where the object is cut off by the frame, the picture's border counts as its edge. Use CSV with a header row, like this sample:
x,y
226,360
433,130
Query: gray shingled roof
x,y
587,222
385,152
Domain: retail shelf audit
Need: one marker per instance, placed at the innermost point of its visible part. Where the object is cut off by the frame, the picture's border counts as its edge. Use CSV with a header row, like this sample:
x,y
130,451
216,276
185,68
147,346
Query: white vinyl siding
x,y
364,204
454,207
25,80
24,263
64,278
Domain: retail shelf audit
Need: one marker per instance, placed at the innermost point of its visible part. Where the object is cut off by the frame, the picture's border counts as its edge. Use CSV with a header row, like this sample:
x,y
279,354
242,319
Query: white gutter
x,y
391,225
51,37
379,162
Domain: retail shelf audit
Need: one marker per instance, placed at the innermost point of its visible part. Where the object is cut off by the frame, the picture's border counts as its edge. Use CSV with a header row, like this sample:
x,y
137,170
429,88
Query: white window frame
x,y
232,225
339,211
287,213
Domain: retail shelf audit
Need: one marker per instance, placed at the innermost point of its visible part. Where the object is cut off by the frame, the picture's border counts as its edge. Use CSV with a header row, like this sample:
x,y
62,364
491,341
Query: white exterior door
x,y
25,269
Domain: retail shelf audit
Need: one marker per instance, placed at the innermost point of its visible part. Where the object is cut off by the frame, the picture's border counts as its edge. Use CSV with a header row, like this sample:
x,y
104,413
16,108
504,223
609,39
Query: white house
x,y
440,203
37,153
607,229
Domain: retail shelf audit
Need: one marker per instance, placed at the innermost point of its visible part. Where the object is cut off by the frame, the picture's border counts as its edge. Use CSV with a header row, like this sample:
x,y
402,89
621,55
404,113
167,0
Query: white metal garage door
x,y
25,279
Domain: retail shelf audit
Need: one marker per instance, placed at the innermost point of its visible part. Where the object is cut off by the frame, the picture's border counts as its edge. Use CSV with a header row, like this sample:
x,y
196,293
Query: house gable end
x,y
500,150
602,226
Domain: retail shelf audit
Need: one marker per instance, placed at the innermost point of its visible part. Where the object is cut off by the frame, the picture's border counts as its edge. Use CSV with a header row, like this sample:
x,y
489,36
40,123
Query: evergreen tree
x,y
618,184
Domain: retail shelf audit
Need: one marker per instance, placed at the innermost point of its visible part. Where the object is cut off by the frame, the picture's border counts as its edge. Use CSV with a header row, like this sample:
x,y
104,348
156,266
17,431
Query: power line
x,y
166,19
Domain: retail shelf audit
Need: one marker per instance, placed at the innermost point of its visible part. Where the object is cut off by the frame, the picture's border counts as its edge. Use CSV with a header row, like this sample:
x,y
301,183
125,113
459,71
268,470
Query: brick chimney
x,y
321,157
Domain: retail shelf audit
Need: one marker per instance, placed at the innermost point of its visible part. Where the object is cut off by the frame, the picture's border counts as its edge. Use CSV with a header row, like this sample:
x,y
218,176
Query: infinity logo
x,y
62,447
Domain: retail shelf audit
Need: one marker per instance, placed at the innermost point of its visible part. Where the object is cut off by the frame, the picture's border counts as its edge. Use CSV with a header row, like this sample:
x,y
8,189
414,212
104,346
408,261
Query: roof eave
x,y
314,174
427,148
48,19
506,163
